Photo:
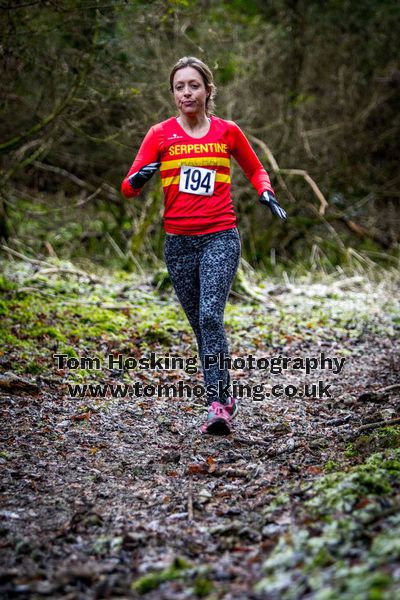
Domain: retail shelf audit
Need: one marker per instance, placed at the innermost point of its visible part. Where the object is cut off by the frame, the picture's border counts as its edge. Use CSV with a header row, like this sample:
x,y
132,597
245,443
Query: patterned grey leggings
x,y
202,268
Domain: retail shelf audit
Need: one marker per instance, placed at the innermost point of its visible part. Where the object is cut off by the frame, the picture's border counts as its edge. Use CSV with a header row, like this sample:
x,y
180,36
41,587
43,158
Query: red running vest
x,y
190,211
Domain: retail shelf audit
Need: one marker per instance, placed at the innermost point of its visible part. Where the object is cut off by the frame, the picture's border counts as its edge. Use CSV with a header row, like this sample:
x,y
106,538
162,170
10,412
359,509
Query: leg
x,y
218,264
182,263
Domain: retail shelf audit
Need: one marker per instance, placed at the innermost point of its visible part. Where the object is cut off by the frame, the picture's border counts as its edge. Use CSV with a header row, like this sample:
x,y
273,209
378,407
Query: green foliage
x,y
39,332
60,314
202,587
70,318
378,439
3,308
350,452
227,71
319,558
317,82
147,583
330,466
162,280
6,285
68,350
34,368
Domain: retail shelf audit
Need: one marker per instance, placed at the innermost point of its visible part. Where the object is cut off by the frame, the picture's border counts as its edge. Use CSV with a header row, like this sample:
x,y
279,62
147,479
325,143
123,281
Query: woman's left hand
x,y
268,199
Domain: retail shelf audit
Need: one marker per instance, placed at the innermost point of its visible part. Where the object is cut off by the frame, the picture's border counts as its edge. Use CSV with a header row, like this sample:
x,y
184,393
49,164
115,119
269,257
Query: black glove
x,y
138,179
268,199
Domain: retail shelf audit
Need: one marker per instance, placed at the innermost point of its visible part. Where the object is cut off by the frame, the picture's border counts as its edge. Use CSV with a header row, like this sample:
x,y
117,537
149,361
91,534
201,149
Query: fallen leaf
x,y
212,464
81,416
313,470
197,469
363,502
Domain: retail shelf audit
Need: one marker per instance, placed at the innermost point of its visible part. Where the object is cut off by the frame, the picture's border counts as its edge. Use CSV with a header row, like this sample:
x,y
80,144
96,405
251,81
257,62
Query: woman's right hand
x,y
138,179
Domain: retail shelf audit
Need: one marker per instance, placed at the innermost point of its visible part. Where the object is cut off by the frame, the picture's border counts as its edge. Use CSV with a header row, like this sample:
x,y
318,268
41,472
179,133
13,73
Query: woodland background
x,y
314,85
106,495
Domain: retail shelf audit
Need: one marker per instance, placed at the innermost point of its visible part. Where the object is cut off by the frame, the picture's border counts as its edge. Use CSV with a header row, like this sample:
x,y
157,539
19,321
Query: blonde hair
x,y
206,74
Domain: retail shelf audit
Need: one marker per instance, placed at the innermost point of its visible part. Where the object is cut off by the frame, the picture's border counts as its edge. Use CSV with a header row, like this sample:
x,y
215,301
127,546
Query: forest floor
x,y
122,497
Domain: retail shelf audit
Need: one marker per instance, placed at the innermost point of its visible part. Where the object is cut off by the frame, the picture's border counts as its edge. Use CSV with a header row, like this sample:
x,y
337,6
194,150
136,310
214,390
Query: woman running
x,y
202,244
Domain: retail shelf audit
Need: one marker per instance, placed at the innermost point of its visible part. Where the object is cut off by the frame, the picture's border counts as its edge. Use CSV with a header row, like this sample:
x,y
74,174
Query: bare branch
x,y
300,172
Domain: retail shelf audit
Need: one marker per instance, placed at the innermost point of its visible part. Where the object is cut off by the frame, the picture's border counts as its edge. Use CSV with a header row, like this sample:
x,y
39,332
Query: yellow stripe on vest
x,y
220,177
201,161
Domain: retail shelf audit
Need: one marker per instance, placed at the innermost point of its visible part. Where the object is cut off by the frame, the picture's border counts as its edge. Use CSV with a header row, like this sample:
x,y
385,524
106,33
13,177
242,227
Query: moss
x,y
378,439
78,374
202,587
319,559
330,466
386,545
350,451
277,503
4,310
152,581
68,350
8,339
323,558
341,491
40,331
6,284
393,466
158,335
389,437
33,368
374,482
357,584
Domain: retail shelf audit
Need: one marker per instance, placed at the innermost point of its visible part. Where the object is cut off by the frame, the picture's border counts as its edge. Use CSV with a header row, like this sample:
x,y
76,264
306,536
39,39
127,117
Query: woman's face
x,y
189,91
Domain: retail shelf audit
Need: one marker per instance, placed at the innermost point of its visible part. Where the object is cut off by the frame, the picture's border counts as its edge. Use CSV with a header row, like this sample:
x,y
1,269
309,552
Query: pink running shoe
x,y
231,407
218,418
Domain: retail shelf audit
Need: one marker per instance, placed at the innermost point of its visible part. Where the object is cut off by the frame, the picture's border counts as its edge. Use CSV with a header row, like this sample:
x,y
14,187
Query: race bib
x,y
196,180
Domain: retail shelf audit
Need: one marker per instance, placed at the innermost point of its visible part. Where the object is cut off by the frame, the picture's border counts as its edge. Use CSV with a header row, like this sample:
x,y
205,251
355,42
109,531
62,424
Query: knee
x,y
210,320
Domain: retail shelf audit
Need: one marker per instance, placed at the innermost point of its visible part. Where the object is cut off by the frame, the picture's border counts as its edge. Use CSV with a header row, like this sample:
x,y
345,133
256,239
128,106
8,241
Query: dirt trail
x,y
95,495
